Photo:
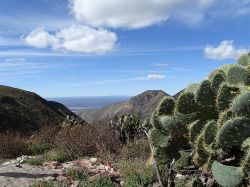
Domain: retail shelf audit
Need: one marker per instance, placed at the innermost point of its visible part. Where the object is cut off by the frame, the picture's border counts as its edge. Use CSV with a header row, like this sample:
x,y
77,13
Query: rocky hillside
x,y
26,111
143,105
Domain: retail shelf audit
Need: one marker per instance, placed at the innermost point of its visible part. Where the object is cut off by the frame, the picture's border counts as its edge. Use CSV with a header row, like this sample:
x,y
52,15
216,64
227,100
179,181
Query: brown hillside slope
x,y
26,111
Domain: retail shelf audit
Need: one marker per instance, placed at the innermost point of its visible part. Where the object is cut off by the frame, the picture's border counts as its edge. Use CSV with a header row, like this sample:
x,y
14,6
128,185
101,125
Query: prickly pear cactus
x,y
225,96
186,108
244,60
194,130
241,105
205,101
237,75
209,132
227,176
217,80
166,107
234,132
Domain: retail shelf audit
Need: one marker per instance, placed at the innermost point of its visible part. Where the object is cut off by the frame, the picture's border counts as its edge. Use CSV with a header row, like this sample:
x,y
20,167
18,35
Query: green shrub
x,y
99,181
59,155
77,173
136,173
39,148
37,161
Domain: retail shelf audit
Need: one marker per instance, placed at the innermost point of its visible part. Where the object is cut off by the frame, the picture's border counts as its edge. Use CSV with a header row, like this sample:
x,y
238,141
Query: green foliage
x,y
194,130
237,75
245,164
100,181
186,103
40,148
166,107
225,96
158,138
127,126
46,183
72,121
241,105
225,116
248,74
217,80
136,174
244,60
234,132
183,162
215,72
215,117
172,126
201,154
37,161
186,108
78,173
209,132
59,155
205,101
227,176
192,88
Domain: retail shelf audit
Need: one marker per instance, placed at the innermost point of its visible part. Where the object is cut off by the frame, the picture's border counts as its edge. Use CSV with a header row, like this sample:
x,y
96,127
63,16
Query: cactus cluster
x,y
127,127
211,120
73,121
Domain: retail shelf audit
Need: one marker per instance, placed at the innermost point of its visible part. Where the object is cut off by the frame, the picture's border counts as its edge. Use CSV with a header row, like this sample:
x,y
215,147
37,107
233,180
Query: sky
x,y
65,48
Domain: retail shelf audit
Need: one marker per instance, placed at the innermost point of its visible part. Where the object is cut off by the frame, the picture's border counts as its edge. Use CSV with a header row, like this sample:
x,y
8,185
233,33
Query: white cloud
x,y
156,77
134,14
14,60
40,38
161,65
225,50
77,38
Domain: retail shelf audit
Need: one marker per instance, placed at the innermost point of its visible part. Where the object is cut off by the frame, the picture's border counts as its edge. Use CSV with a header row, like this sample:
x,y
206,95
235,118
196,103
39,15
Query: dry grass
x,y
85,140
13,145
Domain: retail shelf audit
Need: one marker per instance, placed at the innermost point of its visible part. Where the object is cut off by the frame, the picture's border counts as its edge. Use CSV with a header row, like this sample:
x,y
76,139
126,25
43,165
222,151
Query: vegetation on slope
x,y
26,111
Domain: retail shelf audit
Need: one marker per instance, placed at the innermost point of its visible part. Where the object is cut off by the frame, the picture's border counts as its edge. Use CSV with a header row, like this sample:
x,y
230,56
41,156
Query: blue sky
x,y
117,47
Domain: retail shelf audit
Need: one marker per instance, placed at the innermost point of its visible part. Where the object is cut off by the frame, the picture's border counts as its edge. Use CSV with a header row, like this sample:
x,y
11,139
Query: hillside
x,y
26,111
143,105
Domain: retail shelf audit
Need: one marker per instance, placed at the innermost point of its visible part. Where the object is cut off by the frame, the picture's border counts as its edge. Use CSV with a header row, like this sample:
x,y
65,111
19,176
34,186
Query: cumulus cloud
x,y
156,77
225,50
134,14
77,38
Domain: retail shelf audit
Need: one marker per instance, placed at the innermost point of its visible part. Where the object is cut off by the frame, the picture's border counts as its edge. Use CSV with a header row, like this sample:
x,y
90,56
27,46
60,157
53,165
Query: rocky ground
x,y
16,173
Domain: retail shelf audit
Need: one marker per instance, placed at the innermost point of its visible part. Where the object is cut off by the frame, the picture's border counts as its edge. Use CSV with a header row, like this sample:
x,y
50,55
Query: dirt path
x,y
24,176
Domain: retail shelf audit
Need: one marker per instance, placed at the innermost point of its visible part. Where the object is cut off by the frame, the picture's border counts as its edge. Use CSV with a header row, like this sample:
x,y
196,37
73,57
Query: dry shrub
x,y
43,140
85,140
136,149
13,145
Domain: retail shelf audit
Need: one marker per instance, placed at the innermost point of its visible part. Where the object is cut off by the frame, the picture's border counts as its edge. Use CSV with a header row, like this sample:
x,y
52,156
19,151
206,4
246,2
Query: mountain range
x,y
143,105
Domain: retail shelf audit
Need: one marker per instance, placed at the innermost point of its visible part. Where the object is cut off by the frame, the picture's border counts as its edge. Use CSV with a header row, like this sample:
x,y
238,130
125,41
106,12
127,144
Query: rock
x,y
122,183
53,165
93,160
101,167
50,178
61,178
